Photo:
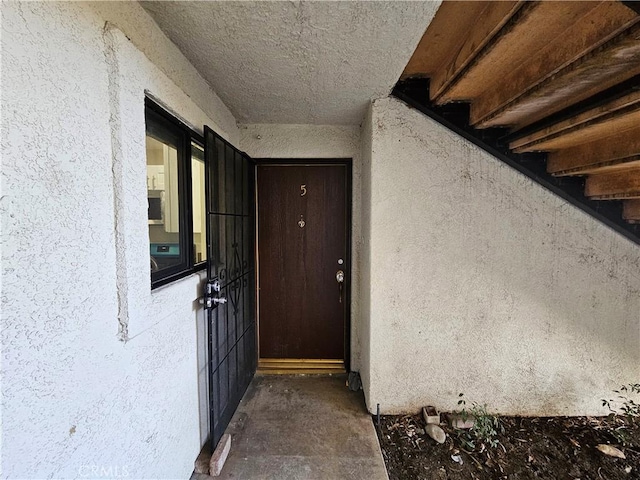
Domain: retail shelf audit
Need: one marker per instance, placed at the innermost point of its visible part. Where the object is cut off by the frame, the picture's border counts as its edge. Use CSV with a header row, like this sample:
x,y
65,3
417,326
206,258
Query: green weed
x,y
485,430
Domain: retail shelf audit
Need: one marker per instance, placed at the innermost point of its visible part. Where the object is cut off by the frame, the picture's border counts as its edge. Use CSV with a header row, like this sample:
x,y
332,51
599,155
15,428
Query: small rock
x,y
458,420
353,382
420,431
435,432
611,451
627,469
457,459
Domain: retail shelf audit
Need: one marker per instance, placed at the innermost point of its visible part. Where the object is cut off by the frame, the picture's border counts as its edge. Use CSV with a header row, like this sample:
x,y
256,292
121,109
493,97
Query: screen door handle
x,y
209,302
210,298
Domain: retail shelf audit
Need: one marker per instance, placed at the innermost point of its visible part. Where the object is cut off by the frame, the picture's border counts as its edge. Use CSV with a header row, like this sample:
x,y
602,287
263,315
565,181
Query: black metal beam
x,y
633,5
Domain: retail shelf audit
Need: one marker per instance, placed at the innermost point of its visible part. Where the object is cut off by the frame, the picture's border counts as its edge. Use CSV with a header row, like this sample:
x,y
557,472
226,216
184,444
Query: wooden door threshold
x,y
293,366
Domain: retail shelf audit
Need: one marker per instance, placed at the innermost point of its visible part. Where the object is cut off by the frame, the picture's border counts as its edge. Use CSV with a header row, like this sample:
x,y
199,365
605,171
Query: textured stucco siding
x,y
485,283
366,137
319,141
297,62
99,374
144,33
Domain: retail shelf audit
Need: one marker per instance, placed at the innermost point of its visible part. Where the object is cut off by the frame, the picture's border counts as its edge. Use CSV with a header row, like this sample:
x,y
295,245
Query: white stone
x,y
435,432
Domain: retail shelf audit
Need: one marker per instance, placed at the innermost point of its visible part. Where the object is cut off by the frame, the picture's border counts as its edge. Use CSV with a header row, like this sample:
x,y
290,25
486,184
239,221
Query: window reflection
x,y
199,209
164,211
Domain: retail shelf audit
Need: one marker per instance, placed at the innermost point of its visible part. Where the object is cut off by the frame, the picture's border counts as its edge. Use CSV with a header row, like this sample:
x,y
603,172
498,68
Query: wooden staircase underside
x,y
553,88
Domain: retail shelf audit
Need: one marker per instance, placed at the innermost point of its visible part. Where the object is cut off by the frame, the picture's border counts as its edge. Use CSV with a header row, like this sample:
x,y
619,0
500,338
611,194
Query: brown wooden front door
x,y
302,246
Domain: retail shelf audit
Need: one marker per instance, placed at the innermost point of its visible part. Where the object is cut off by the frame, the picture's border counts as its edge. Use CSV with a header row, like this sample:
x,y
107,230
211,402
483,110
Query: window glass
x,y
164,199
199,209
177,212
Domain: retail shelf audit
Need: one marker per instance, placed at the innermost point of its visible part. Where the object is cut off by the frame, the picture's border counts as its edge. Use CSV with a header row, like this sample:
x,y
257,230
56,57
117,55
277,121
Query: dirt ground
x,y
530,448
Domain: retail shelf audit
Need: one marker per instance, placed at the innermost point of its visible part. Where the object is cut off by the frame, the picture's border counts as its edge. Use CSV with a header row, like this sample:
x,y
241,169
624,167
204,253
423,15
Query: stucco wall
x,y
100,375
319,141
364,333
485,283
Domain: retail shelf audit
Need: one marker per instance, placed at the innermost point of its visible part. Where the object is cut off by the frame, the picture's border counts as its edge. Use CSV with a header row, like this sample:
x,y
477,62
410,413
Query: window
x,y
176,197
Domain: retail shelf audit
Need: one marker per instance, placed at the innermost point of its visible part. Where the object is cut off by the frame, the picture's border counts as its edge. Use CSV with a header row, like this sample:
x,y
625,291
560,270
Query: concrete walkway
x,y
303,427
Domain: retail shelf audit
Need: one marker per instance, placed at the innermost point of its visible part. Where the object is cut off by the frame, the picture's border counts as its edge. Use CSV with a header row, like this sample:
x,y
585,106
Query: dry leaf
x,y
611,451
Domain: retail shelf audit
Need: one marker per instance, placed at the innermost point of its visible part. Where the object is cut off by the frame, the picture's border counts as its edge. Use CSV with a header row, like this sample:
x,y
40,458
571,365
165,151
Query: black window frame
x,y
159,118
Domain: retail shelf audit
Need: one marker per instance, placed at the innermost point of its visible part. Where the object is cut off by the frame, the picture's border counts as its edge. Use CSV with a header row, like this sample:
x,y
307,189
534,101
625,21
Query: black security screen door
x,y
230,290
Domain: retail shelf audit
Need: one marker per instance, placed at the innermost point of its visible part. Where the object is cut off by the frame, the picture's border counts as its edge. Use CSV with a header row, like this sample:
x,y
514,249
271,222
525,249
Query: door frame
x,y
348,164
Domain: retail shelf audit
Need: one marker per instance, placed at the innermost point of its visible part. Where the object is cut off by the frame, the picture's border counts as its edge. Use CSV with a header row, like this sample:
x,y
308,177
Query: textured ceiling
x,y
296,62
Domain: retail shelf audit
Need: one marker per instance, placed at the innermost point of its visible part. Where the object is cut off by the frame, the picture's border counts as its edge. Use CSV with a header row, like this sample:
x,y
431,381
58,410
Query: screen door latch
x,y
211,291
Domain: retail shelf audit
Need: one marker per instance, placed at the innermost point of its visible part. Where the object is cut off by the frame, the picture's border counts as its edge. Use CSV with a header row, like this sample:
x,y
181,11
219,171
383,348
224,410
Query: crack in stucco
x,y
116,169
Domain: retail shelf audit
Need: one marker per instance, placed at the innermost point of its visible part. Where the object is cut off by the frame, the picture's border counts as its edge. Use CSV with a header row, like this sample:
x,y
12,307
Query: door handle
x,y
340,280
209,302
210,299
